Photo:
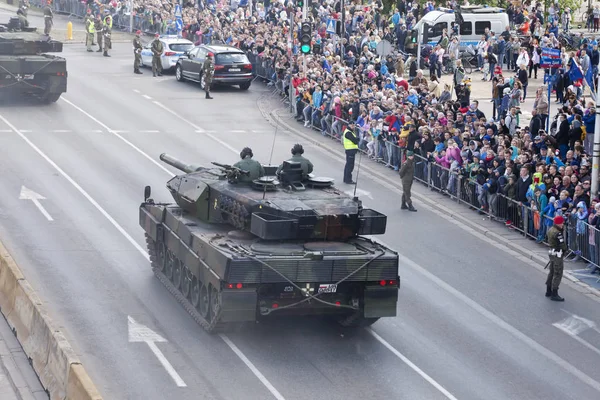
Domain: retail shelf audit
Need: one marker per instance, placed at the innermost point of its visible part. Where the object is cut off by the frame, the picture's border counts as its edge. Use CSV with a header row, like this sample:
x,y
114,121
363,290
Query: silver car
x,y
174,47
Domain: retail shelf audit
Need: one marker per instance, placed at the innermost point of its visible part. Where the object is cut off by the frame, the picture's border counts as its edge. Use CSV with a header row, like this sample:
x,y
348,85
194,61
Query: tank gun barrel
x,y
180,165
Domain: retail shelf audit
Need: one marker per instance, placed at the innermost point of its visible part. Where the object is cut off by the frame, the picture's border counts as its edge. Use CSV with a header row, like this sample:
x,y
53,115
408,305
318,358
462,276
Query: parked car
x,y
232,66
173,48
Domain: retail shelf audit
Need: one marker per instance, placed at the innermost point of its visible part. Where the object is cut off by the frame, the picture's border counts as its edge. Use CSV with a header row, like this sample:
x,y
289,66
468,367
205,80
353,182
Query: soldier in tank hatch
x,y
307,166
246,163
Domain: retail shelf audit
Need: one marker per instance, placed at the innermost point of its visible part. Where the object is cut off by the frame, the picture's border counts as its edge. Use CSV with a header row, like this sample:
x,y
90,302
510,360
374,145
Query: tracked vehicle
x,y
233,252
25,69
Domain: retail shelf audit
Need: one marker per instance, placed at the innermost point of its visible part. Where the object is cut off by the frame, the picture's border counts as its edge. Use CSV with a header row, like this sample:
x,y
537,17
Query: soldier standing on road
x,y
350,141
98,28
89,17
137,50
557,253
106,31
90,31
157,50
48,17
255,169
209,70
407,174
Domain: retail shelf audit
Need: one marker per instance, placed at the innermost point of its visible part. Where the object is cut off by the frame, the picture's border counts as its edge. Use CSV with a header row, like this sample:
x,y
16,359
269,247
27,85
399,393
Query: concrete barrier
x,y
51,356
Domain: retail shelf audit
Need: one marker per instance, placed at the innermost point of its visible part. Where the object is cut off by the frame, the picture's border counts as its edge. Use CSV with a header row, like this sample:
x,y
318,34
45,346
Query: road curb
x,y
575,282
61,373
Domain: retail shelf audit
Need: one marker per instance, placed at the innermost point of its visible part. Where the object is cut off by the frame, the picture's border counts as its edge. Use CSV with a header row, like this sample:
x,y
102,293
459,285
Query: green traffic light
x,y
305,48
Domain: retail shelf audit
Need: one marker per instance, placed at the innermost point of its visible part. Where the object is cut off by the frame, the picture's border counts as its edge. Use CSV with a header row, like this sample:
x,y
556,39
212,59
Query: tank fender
x,y
150,224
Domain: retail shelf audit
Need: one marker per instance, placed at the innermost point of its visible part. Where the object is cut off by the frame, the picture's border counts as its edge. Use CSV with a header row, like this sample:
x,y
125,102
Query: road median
x,y
55,362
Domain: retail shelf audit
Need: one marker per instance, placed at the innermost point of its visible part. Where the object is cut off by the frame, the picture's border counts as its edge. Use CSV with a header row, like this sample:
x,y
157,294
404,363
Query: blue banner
x,y
575,73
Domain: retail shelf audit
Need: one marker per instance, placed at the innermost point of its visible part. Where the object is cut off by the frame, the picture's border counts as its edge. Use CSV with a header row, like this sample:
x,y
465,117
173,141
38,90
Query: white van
x,y
475,20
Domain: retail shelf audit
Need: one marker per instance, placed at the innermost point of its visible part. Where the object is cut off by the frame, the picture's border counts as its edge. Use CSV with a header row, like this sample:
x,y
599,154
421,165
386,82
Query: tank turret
x,y
317,212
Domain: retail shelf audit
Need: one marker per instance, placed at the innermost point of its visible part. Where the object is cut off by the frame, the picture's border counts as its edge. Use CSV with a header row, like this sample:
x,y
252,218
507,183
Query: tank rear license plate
x,y
328,288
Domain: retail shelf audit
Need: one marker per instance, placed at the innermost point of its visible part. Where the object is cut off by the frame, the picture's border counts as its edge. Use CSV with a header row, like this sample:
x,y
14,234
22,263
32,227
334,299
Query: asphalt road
x,y
472,319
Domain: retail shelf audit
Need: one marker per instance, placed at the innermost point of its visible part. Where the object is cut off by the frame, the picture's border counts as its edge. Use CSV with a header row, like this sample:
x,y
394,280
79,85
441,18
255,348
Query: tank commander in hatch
x,y
246,163
22,15
297,152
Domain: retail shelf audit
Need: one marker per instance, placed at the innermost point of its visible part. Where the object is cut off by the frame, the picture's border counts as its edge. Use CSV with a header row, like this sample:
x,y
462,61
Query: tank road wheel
x,y
215,302
195,293
186,282
161,256
203,305
177,274
170,261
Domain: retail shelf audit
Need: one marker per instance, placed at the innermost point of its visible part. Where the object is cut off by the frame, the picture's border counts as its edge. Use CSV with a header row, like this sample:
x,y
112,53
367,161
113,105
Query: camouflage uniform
x,y
137,50
254,167
157,50
106,33
98,27
307,166
22,19
208,69
407,172
48,17
557,253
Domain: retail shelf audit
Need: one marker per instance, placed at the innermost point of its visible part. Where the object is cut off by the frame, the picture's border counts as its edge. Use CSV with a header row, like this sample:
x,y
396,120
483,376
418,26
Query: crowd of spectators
x,y
498,160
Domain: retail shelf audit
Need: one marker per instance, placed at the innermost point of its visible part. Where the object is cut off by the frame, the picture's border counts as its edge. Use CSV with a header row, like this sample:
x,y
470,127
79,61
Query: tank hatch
x,y
277,248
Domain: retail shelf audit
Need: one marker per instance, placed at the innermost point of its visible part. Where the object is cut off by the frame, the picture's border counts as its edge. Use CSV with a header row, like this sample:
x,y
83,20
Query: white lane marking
x,y
141,333
119,131
149,131
359,193
136,91
236,350
96,131
61,131
502,324
412,365
78,187
5,130
254,370
574,324
117,135
237,131
28,194
197,128
146,97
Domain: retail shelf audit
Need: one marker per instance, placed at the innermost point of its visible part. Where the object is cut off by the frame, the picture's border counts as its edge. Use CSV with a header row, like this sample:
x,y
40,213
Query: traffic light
x,y
300,3
414,34
305,37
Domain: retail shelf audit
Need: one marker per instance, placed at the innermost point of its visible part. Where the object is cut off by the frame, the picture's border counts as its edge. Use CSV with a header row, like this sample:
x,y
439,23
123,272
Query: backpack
x,y
583,132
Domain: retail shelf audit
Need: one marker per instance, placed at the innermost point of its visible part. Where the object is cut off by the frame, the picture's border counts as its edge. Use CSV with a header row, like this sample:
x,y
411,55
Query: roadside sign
x,y
550,58
331,23
384,48
179,24
178,13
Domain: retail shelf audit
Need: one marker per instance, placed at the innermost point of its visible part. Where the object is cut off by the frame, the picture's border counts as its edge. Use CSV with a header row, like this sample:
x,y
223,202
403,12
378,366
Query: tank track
x,y
214,326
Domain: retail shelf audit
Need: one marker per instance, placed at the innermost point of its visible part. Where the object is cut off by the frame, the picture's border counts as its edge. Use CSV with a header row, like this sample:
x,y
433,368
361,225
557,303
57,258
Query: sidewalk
x,y
18,381
493,232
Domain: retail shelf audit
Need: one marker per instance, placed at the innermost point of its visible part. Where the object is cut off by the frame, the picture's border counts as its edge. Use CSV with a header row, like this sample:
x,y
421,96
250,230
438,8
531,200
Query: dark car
x,y
232,67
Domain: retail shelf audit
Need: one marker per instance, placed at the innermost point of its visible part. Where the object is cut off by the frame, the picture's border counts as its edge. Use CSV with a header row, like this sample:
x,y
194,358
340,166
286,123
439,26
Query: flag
x,y
589,78
575,73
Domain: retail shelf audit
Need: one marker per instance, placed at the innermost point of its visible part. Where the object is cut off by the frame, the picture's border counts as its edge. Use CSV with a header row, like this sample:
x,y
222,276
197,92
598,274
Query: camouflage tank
x,y
26,70
233,252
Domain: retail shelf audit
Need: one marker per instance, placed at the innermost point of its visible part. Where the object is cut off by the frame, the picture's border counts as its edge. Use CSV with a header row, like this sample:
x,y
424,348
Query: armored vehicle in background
x,y
235,252
25,69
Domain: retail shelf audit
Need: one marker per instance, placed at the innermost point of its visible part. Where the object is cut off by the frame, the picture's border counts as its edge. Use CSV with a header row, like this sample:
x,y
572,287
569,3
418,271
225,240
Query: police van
x,y
472,21
174,47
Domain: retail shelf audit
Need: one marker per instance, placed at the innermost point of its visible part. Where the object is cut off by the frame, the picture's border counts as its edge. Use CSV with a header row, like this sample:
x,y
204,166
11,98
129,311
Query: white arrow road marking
x,y
28,194
141,333
573,325
359,193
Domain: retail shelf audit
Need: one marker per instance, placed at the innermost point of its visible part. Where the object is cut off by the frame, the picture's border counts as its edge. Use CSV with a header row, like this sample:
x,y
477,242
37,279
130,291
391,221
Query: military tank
x,y
25,69
233,252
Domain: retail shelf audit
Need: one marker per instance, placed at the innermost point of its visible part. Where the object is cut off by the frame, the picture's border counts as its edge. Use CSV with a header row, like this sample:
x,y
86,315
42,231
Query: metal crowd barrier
x,y
582,238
